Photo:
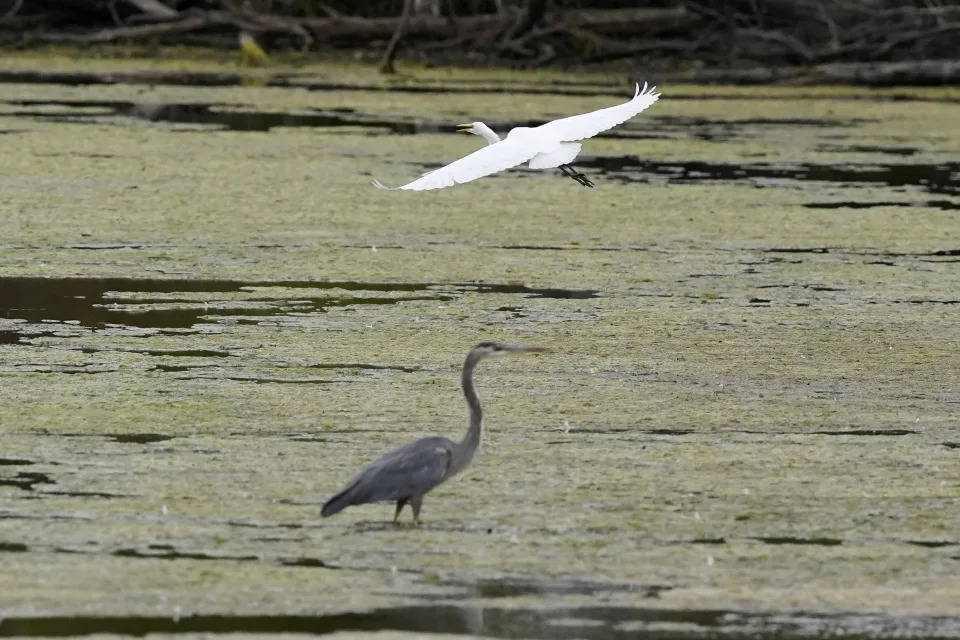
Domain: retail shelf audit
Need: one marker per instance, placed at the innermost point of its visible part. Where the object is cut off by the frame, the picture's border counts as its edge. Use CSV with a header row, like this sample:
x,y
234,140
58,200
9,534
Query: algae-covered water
x,y
747,422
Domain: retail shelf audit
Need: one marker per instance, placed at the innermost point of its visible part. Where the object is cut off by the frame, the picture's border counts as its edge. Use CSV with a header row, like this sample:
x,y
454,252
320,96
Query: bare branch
x,y
14,9
155,8
784,39
386,62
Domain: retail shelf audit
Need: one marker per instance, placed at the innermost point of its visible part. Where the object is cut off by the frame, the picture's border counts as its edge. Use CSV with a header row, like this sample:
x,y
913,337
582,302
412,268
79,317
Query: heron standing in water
x,y
407,473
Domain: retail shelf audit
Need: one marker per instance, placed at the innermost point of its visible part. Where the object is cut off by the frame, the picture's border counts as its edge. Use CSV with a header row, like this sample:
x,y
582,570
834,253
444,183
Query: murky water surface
x,y
209,320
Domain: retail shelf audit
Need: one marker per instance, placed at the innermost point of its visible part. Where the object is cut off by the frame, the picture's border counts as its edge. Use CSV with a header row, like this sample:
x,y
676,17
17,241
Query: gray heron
x,y
407,473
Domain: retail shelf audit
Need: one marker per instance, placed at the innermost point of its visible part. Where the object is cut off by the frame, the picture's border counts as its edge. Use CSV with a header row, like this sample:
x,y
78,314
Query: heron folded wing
x,y
587,125
410,470
483,162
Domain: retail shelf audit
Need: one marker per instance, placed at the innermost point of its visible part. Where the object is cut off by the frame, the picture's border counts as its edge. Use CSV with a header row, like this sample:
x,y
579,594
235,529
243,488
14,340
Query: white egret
x,y
551,145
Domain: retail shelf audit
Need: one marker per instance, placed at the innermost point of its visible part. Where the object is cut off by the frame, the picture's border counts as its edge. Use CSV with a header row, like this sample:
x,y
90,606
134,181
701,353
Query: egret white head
x,y
479,129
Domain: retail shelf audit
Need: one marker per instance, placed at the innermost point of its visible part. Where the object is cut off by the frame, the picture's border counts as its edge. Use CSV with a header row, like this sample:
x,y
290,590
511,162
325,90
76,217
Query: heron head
x,y
496,349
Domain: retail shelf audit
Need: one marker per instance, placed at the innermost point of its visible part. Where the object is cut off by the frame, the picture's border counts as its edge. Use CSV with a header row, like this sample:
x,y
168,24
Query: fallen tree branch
x,y
628,51
185,25
256,22
14,9
788,41
155,9
912,36
428,26
386,62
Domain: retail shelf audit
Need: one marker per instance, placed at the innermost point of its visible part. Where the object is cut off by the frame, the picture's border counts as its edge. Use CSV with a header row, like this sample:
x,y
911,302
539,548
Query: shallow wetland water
x,y
209,320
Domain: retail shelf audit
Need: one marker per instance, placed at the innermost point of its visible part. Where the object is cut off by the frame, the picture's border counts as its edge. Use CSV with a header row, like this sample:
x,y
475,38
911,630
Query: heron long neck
x,y
487,133
471,441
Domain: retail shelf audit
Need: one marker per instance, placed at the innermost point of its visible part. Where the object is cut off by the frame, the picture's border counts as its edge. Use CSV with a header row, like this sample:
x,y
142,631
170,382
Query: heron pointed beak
x,y
464,128
525,348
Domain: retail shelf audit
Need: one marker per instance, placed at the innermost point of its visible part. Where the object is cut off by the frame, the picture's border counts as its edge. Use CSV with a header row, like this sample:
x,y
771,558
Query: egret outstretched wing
x,y
491,159
547,146
590,124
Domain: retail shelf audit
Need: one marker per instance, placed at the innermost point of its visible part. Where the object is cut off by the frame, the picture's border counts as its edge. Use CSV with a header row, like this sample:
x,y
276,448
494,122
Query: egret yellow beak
x,y
464,128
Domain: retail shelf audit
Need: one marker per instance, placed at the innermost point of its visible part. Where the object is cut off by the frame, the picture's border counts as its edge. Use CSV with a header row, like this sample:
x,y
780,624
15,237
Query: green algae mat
x,y
747,423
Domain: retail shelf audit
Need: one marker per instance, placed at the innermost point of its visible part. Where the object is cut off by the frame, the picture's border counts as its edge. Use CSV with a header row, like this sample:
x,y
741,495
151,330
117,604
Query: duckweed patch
x,y
206,330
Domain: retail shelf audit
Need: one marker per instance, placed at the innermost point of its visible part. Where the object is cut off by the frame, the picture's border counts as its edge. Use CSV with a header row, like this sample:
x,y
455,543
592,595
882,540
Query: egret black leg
x,y
415,503
569,171
400,503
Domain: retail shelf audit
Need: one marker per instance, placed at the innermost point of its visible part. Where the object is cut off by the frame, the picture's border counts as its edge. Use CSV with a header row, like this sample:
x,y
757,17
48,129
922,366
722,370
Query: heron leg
x,y
400,503
570,172
415,503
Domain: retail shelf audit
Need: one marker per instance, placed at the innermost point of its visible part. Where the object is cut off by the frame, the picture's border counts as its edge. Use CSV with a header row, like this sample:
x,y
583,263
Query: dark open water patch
x,y
245,117
231,117
934,178
361,365
946,205
794,540
933,544
15,462
865,432
166,552
464,85
516,587
85,301
549,623
139,438
176,353
25,480
894,151
89,494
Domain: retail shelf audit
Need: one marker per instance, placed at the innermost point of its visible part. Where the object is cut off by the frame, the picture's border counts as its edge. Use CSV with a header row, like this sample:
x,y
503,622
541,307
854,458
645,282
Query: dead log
x,y
633,21
139,32
432,27
155,9
353,29
919,73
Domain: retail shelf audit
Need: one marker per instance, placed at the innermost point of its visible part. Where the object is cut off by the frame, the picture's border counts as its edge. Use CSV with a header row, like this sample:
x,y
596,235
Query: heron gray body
x,y
407,473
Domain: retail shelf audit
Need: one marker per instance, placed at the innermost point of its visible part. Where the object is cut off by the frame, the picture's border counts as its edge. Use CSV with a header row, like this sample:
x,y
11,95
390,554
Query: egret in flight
x,y
407,473
551,145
